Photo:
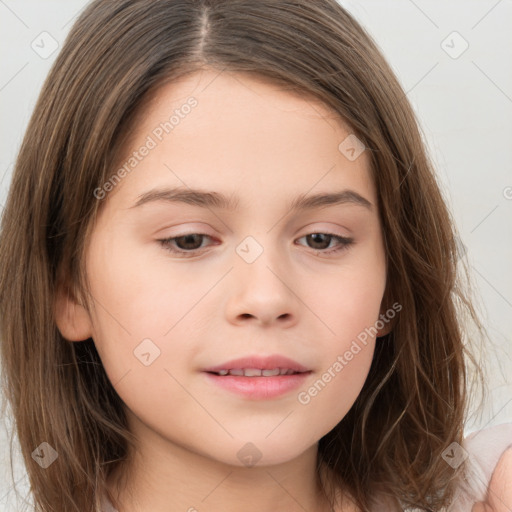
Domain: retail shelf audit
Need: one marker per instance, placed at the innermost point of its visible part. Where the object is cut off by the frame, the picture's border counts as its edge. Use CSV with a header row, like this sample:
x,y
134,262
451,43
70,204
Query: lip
x,y
261,362
259,388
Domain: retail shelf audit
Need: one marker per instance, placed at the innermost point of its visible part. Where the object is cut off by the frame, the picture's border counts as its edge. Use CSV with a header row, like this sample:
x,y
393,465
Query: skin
x,y
499,493
266,146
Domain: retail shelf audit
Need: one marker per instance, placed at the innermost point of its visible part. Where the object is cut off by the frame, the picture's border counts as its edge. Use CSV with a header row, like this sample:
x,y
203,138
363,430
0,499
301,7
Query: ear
x,y
73,319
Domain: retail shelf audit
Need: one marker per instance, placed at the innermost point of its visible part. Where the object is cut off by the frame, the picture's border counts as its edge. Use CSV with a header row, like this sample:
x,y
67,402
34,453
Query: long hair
x,y
414,403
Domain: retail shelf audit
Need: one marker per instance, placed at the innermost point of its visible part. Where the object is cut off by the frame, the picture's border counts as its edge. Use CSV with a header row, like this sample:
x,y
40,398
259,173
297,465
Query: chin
x,y
262,452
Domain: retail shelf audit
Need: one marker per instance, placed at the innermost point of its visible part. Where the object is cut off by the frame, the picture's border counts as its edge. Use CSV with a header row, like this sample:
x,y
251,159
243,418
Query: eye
x,y
187,245
316,238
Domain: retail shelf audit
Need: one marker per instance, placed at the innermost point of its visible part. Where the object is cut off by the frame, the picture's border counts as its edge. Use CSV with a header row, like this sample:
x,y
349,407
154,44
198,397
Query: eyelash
x,y
166,243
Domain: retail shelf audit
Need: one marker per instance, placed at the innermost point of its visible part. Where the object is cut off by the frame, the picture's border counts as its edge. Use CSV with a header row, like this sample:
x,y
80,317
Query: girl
x,y
168,343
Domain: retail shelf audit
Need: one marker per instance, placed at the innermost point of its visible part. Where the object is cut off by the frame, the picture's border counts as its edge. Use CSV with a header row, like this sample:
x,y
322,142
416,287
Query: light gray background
x,y
464,103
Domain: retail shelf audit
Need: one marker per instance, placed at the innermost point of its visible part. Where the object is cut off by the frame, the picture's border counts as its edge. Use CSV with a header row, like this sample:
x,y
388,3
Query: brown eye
x,y
185,245
319,240
322,241
189,242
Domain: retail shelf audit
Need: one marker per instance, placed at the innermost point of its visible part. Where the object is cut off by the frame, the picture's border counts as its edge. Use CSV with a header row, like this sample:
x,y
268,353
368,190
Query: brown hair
x,y
415,400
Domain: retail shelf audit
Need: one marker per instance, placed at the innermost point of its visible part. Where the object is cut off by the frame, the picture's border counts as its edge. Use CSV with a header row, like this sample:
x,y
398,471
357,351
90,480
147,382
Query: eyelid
x,y
344,243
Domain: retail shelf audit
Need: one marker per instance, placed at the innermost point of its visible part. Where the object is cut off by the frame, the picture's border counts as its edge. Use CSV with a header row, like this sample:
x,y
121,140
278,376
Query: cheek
x,y
143,305
335,388
349,302
328,397
137,290
349,312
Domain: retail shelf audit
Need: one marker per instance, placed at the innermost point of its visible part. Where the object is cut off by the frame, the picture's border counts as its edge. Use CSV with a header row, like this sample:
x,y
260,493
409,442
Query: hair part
x,y
116,56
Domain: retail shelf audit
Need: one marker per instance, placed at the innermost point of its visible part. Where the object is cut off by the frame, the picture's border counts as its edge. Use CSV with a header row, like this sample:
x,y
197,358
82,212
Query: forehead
x,y
240,134
239,90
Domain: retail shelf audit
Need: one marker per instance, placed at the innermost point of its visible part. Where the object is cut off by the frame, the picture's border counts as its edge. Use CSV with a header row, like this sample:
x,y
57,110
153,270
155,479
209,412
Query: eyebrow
x,y
207,199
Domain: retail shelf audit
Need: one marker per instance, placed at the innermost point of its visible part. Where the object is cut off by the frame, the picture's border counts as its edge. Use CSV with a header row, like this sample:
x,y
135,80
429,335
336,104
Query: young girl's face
x,y
252,282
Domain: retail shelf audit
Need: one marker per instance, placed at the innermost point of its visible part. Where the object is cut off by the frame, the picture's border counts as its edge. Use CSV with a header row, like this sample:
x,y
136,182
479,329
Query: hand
x,y
499,493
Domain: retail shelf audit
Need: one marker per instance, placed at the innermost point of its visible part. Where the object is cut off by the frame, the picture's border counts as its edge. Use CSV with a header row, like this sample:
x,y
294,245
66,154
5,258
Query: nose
x,y
262,293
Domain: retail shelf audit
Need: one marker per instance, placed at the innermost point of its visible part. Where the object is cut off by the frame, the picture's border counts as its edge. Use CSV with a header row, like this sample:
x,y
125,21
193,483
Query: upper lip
x,y
259,362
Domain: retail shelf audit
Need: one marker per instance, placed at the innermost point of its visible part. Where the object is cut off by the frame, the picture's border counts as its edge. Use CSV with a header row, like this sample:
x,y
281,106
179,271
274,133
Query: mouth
x,y
258,366
259,377
256,372
253,384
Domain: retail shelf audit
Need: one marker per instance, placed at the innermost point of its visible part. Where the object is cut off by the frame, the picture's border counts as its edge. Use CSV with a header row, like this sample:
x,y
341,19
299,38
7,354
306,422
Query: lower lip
x,y
259,388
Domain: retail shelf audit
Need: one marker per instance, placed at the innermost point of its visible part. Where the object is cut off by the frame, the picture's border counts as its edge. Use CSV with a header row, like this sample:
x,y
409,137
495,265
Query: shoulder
x,y
491,438
487,454
488,445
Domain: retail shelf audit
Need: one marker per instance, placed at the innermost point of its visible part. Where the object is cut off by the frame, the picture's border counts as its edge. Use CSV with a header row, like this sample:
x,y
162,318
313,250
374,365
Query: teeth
x,y
256,372
252,372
